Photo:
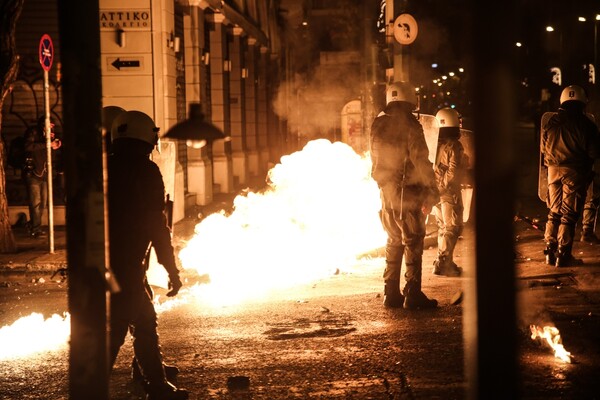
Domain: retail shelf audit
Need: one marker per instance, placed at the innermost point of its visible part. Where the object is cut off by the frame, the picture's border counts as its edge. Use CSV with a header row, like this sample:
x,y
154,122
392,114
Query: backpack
x,y
18,157
16,153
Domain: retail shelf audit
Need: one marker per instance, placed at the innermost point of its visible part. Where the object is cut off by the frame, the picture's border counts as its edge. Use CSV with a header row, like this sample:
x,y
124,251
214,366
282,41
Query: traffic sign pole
x,y
48,131
46,53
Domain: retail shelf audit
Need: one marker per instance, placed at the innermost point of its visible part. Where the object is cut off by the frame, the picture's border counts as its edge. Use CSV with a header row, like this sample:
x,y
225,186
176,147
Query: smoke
x,y
530,306
325,55
312,104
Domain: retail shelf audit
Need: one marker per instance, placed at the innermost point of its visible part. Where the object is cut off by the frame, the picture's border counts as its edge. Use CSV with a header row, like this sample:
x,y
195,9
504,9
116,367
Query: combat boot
x,y
165,391
171,372
588,236
453,270
442,266
437,266
550,253
564,258
415,299
391,295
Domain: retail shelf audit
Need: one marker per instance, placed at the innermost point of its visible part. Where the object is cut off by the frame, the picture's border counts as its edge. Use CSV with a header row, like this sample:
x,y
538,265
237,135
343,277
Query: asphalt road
x,y
333,339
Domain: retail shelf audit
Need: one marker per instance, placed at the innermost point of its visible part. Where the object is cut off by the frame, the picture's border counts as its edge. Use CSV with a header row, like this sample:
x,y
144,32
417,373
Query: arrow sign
x,y
118,64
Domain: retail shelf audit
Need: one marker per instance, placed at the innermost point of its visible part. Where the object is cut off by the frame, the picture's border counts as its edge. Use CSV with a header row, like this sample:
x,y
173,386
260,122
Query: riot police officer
x,y
136,200
570,144
404,174
450,171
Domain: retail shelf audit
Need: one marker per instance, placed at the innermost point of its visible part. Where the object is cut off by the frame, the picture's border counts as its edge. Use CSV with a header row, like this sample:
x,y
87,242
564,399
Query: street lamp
x,y
196,132
595,63
596,20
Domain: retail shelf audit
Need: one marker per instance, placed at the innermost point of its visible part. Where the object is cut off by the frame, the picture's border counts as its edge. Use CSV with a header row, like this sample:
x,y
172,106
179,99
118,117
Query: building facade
x,y
160,57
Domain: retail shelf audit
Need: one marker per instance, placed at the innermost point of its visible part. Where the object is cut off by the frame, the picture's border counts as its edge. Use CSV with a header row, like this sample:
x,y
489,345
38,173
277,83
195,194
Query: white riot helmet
x,y
448,118
573,93
401,91
134,125
109,113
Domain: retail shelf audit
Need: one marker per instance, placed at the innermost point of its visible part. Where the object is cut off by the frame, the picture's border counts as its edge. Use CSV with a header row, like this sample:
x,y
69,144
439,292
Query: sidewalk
x,y
33,254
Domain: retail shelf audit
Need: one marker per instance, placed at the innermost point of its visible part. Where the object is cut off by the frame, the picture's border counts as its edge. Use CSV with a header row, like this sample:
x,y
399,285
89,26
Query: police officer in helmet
x,y
136,201
570,143
450,172
408,190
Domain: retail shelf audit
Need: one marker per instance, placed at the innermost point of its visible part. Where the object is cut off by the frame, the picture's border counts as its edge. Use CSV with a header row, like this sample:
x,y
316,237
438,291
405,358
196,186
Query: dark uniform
x,y
35,173
137,220
570,144
450,172
590,211
405,178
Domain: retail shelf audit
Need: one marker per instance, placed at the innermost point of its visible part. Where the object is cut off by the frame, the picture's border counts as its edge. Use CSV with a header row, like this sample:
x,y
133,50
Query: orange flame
x,y
552,336
33,334
319,216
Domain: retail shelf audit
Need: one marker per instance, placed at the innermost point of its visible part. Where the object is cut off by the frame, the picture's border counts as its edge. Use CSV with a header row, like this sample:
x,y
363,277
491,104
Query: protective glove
x,y
426,209
174,284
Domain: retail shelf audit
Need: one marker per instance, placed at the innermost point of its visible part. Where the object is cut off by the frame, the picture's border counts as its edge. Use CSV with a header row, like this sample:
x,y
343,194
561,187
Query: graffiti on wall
x,y
23,106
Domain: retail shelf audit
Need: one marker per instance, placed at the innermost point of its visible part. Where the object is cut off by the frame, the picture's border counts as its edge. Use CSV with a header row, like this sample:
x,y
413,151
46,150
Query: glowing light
x,y
549,29
581,19
33,334
434,65
318,216
195,144
461,70
552,337
518,44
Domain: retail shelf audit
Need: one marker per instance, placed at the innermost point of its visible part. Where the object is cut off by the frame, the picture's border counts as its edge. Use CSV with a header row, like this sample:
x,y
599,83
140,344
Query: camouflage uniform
x,y
450,171
570,144
405,178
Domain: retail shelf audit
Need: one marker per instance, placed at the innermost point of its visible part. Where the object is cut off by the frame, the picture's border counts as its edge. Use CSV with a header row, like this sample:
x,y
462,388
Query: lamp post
x,y
195,130
595,53
197,133
596,21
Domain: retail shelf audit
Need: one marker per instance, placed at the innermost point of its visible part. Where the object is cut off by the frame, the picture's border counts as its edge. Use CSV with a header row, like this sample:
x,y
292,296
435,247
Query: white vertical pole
x,y
47,132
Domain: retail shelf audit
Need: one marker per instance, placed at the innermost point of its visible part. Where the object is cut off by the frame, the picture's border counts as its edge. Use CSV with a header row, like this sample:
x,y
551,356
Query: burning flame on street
x,y
33,334
552,336
318,216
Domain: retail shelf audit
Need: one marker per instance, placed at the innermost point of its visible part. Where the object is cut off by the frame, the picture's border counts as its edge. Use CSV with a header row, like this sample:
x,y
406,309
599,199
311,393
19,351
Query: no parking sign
x,y
46,52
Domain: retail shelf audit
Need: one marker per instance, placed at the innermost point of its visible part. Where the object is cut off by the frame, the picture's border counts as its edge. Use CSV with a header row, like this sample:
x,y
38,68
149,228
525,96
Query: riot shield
x,y
590,208
431,129
467,140
542,170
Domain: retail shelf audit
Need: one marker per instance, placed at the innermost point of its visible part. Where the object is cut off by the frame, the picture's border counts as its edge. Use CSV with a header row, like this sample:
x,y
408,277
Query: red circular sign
x,y
46,52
